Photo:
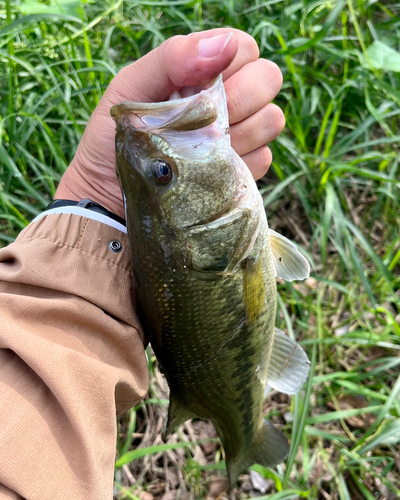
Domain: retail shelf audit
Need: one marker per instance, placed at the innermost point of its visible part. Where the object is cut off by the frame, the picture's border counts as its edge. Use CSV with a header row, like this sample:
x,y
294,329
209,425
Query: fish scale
x,y
205,271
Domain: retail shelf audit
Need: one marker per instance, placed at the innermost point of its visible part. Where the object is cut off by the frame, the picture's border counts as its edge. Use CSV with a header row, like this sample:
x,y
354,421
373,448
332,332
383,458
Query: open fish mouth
x,y
192,125
179,113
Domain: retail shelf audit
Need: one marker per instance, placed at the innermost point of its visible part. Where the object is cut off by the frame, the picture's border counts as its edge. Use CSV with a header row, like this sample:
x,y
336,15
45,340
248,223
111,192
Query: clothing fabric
x,y
85,213
71,358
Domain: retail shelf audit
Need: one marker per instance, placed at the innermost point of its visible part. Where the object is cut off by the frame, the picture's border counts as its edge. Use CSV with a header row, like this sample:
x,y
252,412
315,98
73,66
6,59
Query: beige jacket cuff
x,y
71,356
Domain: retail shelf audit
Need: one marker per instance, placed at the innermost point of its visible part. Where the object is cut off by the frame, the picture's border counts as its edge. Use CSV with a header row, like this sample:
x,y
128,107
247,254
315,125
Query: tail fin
x,y
269,447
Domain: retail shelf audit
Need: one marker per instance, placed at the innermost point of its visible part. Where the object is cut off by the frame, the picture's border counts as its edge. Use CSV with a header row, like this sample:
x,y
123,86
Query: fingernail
x,y
210,48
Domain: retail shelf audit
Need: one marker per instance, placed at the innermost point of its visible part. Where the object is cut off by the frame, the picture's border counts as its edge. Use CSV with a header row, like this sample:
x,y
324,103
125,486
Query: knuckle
x,y
264,162
119,76
168,56
118,88
276,117
272,74
233,107
252,48
247,44
266,158
259,161
165,48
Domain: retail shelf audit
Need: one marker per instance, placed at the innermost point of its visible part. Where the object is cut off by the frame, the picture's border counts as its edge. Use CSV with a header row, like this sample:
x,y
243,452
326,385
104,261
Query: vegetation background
x,y
333,188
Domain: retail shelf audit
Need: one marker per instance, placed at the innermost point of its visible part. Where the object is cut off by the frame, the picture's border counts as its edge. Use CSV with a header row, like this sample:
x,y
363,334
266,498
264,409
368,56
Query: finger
x,y
247,52
184,61
260,128
244,93
258,161
247,49
178,62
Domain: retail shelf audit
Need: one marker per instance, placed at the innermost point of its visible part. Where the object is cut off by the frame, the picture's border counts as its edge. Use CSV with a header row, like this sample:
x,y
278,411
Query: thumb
x,y
179,62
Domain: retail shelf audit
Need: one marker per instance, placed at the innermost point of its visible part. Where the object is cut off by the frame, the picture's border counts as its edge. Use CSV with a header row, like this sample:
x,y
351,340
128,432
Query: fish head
x,y
172,155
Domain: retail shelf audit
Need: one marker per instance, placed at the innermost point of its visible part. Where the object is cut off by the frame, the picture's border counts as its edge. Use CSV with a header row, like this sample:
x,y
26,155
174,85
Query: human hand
x,y
251,84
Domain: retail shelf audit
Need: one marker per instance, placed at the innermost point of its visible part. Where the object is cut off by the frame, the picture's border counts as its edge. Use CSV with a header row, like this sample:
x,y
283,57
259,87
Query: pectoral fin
x,y
289,263
288,365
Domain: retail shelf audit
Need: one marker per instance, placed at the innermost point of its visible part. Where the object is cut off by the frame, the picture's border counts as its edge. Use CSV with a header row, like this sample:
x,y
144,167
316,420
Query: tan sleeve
x,y
71,356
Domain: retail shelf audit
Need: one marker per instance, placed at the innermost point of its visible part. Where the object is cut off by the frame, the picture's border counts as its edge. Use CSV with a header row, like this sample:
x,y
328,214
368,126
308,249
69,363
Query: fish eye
x,y
162,172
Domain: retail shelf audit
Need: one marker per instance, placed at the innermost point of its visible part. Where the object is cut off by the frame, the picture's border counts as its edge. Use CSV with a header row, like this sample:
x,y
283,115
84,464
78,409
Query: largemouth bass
x,y
205,265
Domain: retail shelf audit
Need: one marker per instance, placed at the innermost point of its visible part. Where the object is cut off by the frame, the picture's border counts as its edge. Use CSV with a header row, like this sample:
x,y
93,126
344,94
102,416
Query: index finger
x,y
247,52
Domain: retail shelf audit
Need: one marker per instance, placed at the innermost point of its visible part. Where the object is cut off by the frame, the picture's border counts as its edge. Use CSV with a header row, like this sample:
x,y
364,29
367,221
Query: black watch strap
x,y
89,205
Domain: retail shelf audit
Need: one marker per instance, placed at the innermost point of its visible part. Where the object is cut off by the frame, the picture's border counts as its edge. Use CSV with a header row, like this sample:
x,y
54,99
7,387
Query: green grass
x,y
333,188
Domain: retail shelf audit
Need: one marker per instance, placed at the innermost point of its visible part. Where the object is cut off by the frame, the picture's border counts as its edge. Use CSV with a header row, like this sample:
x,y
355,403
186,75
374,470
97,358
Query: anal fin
x,y
288,365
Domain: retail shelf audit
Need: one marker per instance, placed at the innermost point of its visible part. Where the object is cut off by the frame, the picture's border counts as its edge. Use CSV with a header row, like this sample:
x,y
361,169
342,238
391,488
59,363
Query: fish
x,y
205,264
